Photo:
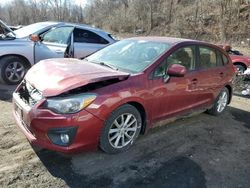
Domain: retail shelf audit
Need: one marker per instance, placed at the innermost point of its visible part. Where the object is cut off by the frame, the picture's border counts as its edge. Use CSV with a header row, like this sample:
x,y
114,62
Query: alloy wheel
x,y
122,130
222,102
15,71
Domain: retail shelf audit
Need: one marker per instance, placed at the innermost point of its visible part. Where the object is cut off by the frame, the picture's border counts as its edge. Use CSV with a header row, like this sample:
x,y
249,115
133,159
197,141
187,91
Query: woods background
x,y
212,20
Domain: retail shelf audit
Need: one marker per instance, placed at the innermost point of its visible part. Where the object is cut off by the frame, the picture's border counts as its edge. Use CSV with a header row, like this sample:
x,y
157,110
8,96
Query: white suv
x,y
22,48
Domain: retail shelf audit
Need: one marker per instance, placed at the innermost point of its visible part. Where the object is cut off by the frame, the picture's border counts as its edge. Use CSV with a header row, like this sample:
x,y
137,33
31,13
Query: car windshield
x,y
31,29
130,55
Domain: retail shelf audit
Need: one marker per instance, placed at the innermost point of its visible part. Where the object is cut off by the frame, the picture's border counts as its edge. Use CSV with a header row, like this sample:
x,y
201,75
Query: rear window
x,y
113,37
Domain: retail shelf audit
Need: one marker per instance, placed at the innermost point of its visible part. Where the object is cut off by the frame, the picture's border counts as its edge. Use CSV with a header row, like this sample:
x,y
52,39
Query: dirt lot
x,y
201,151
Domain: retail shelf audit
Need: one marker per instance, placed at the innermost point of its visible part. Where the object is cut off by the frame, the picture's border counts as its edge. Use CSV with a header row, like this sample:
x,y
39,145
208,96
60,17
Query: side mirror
x,y
176,70
34,38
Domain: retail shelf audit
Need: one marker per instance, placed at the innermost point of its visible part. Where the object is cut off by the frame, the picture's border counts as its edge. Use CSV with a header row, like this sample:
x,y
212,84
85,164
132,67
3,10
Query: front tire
x,y
220,103
121,129
12,70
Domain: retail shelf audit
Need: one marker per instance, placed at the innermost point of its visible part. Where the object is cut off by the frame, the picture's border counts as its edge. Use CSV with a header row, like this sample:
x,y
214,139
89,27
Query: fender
x,y
18,47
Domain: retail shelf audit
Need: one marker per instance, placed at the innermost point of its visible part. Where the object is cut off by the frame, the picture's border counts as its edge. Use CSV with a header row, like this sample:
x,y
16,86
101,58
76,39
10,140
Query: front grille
x,y
29,94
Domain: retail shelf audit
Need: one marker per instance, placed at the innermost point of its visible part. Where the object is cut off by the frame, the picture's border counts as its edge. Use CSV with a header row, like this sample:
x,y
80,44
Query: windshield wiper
x,y
108,65
104,64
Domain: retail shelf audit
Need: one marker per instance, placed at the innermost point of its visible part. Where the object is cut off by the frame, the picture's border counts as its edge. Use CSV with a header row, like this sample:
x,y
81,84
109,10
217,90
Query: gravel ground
x,y
200,151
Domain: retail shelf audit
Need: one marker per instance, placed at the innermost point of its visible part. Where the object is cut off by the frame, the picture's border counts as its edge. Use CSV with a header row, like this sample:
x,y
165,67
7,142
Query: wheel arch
x,y
142,111
230,90
240,63
25,60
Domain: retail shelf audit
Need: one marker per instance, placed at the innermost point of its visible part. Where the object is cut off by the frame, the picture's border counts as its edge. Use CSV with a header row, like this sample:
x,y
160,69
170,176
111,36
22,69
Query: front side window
x,y
184,56
85,36
207,57
130,55
58,35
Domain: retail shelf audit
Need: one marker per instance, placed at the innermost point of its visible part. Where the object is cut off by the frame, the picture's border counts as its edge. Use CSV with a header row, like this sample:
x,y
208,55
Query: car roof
x,y
83,26
48,23
170,40
174,41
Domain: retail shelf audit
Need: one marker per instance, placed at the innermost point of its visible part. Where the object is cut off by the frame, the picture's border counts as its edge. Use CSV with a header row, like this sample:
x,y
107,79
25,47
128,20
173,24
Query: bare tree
x,y
218,20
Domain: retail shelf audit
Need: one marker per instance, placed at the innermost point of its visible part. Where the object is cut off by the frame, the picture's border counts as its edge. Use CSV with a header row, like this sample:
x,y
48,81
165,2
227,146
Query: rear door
x,y
87,42
212,74
54,43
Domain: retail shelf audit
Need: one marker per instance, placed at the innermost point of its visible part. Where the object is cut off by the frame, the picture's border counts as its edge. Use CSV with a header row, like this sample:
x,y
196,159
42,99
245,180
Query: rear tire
x,y
220,103
121,129
240,68
12,70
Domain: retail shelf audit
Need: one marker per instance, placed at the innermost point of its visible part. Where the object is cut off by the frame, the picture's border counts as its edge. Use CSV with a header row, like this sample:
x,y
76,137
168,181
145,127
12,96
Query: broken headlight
x,y
70,104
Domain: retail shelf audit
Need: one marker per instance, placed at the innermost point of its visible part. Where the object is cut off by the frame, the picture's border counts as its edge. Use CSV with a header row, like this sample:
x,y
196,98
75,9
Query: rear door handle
x,y
194,81
221,74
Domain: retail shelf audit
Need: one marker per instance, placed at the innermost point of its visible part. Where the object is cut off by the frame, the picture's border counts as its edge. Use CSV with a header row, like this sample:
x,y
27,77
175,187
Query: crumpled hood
x,y
55,76
3,25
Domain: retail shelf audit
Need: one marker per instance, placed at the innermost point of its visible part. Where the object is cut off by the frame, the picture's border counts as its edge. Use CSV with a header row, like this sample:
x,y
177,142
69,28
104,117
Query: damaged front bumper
x,y
69,133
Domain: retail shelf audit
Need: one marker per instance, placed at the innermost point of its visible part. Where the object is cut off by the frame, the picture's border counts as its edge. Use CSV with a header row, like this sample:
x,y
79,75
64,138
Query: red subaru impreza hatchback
x,y
119,92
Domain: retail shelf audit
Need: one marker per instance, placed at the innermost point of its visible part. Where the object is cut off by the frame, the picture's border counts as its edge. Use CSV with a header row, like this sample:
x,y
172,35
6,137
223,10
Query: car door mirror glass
x,y
34,38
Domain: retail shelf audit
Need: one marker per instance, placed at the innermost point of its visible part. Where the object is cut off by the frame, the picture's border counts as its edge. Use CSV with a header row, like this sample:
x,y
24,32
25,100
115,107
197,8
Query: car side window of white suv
x,y
58,35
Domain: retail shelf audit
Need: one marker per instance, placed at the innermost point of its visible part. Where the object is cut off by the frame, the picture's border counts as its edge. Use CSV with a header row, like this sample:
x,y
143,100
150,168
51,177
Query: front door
x,y
179,94
53,44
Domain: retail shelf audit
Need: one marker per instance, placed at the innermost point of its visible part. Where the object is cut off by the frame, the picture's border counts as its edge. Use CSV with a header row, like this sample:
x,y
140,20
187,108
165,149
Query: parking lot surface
x,y
199,151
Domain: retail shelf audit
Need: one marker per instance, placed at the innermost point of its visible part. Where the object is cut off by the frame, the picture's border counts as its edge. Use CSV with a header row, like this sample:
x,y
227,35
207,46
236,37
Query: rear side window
x,y
219,59
85,36
225,59
208,58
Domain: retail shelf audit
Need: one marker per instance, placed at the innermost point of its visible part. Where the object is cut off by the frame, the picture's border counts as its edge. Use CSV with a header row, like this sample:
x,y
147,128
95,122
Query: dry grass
x,y
243,49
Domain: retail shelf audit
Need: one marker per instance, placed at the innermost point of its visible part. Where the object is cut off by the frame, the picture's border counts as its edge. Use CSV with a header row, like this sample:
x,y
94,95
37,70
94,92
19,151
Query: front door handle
x,y
59,51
